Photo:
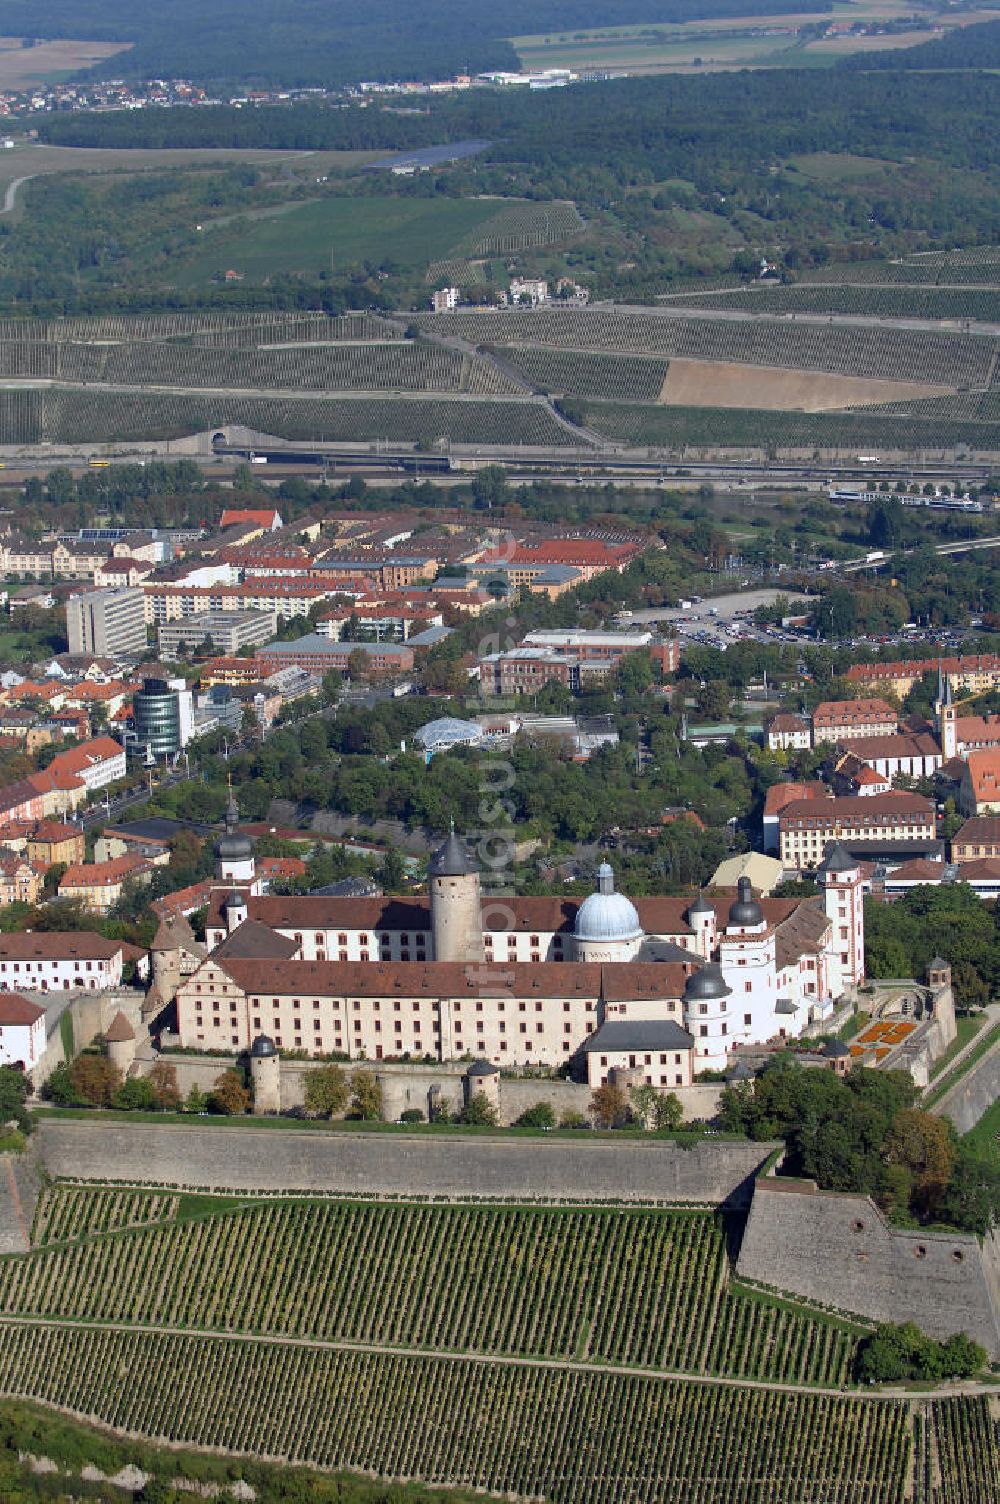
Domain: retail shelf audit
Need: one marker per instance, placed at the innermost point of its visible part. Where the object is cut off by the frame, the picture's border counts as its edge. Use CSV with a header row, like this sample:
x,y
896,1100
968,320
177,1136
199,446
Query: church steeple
x,y
234,853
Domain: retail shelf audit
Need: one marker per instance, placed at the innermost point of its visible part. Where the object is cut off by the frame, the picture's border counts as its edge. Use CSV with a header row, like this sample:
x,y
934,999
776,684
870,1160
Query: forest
x,y
677,179
965,47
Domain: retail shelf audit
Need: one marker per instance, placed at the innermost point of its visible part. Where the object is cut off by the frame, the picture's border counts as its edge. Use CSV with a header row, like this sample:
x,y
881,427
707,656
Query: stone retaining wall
x,y
976,1091
249,1158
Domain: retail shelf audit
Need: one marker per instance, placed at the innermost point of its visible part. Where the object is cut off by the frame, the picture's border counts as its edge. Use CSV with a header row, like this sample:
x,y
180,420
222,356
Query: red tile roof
x,y
16,1010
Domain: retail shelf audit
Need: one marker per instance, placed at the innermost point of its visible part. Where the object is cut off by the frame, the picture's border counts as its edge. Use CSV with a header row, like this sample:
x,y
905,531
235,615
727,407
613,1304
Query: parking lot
x,y
719,619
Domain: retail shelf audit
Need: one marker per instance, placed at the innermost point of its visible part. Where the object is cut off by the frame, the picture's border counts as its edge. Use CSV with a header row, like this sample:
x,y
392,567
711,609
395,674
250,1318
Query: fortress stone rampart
x,y
400,1164
840,1250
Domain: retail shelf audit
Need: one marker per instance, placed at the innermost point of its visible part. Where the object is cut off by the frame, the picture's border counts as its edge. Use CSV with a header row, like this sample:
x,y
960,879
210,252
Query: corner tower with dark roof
x,y
456,908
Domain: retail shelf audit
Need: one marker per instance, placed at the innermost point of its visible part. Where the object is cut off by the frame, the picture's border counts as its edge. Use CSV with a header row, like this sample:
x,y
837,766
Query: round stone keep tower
x,y
265,1076
456,914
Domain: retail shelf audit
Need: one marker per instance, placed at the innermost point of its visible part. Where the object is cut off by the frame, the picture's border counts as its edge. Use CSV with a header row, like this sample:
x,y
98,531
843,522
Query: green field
x,y
756,41
575,1355
984,1138
337,233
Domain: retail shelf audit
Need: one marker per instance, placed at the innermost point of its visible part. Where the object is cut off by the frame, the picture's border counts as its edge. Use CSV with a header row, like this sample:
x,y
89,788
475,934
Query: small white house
x,y
22,1031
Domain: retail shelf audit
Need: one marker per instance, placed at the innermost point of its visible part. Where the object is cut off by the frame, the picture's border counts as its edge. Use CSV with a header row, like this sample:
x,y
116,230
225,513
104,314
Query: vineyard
x,y
644,1288
571,1436
75,1211
897,354
625,378
458,271
524,227
886,302
749,428
76,415
392,366
482,1347
964,1436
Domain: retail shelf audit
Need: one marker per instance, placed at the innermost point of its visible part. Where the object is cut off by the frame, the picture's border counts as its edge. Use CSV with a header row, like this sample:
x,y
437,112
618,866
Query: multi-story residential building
x,y
970,674
20,881
95,763
283,598
846,720
26,557
97,886
78,559
978,837
227,631
788,733
108,623
895,820
979,790
55,843
60,962
318,655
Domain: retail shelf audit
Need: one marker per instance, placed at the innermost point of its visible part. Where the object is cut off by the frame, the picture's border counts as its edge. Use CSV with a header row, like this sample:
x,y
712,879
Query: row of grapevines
x,y
757,428
638,1287
588,373
967,1441
66,1211
79,414
572,1436
874,351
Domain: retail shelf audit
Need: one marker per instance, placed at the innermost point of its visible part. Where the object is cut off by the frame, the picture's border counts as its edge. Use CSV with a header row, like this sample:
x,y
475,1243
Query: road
x,y
11,194
855,566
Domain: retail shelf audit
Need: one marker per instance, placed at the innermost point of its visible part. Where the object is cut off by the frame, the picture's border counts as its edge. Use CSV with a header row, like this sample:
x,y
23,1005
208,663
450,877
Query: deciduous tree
x,y
327,1092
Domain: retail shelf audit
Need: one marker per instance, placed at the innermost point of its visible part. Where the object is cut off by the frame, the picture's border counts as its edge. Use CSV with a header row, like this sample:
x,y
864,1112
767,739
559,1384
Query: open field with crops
x,y
337,233
23,64
576,1355
704,46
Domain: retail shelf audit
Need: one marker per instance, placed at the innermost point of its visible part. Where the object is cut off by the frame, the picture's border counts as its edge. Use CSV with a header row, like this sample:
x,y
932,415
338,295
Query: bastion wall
x,y
973,1094
410,1086
840,1251
351,1162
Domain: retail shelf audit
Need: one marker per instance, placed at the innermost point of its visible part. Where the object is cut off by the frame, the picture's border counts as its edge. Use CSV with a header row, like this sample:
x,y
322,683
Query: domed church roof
x,y
605,914
746,912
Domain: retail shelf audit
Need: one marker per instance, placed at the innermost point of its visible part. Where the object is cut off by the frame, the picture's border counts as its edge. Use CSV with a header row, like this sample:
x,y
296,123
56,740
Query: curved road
x,y
11,194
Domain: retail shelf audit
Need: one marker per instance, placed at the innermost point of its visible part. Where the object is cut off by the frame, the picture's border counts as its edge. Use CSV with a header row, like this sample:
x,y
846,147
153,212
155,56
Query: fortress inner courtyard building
x,y
662,986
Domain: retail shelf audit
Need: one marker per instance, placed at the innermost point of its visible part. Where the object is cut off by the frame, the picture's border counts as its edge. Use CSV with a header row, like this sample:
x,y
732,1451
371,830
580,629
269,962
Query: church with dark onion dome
x,y
664,987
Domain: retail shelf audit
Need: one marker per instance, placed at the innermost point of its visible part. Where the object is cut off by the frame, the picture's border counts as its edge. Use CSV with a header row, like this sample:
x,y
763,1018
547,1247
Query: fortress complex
x,y
664,987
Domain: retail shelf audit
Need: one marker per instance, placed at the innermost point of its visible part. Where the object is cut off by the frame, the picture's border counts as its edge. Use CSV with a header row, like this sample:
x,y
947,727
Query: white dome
x,y
607,915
